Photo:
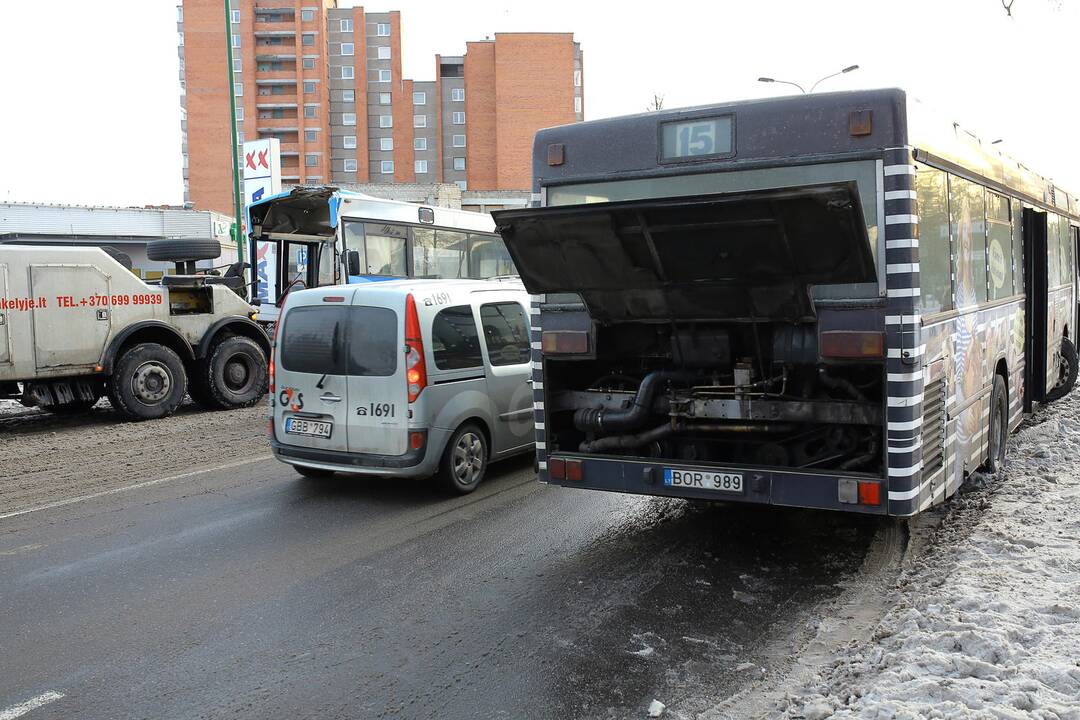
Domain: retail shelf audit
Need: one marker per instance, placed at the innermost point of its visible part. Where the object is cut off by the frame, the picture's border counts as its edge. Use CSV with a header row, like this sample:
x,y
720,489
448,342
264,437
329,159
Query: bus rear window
x,y
340,341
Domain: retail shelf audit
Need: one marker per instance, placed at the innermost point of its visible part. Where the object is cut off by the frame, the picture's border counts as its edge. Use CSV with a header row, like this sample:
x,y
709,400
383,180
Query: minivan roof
x,y
406,285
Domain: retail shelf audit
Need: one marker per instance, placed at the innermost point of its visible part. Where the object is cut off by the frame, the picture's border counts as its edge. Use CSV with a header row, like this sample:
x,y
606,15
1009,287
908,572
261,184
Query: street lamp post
x,y
239,236
848,69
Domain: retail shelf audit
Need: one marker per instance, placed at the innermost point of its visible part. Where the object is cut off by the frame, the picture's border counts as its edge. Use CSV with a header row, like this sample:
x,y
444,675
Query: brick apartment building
x,y
327,82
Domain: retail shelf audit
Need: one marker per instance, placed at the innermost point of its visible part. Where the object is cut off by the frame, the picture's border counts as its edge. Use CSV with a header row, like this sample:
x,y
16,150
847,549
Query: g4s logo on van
x,y
291,398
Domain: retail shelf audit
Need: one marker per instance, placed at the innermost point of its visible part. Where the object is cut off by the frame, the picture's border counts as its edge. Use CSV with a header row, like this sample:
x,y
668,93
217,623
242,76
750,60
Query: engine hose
x,y
626,442
603,421
840,384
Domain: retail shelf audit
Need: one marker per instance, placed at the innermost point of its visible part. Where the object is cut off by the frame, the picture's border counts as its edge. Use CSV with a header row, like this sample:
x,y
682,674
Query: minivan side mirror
x,y
352,262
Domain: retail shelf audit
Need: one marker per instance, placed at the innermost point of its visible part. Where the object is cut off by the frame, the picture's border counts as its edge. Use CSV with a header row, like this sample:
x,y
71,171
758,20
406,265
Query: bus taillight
x,y
846,344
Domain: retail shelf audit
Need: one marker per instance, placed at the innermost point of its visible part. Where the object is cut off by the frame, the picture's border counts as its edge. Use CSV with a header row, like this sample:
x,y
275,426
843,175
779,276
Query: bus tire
x,y
148,382
465,460
1067,374
999,426
235,373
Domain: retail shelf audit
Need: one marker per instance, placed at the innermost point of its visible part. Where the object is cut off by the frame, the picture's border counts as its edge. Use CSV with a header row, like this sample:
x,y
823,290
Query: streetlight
x,y
848,69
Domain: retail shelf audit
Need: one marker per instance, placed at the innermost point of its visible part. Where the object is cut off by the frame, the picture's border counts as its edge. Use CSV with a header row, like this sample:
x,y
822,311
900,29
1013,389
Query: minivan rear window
x,y
340,340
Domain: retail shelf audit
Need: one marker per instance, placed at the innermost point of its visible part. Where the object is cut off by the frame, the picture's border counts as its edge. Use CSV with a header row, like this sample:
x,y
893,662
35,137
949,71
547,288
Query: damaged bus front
x,y
712,327
315,236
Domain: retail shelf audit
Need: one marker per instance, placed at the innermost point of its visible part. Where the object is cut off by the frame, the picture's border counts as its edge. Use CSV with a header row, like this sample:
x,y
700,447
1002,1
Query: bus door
x,y
1035,287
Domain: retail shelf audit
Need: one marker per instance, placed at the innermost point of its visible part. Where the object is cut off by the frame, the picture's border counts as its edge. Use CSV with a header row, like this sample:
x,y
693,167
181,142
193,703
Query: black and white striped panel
x,y
538,384
904,365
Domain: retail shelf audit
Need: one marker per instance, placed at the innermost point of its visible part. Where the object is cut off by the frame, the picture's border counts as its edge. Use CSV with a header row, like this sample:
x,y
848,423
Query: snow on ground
x,y
986,623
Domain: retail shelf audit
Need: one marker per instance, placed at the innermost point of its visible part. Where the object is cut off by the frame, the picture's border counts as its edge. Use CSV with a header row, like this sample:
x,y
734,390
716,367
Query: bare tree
x,y
1008,6
657,102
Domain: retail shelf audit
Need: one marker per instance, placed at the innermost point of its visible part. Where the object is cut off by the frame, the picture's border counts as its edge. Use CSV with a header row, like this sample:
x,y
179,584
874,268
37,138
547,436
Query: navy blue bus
x,y
830,301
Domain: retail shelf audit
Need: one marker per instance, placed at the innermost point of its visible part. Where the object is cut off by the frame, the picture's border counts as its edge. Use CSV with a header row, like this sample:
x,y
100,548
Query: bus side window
x,y
967,214
1065,238
934,250
1018,247
1053,252
999,246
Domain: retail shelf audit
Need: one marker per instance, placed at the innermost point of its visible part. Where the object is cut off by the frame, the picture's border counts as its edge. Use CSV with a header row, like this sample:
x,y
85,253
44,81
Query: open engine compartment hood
x,y
736,256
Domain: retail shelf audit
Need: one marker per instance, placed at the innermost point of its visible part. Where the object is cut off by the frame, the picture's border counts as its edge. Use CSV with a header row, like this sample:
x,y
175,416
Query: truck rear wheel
x,y
148,382
235,373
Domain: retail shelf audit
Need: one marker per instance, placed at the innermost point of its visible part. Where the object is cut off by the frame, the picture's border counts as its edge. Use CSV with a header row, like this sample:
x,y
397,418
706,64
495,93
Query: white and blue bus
x,y
313,236
832,301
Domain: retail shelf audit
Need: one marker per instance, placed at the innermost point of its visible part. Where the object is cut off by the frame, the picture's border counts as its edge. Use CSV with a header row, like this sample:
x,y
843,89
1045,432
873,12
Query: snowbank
x,y
987,622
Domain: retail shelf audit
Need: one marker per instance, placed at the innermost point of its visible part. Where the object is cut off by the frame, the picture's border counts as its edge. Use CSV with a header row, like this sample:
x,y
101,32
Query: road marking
x,y
32,704
136,486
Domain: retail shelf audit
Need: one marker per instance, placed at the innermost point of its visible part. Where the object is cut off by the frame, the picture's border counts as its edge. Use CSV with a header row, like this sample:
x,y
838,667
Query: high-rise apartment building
x,y
327,82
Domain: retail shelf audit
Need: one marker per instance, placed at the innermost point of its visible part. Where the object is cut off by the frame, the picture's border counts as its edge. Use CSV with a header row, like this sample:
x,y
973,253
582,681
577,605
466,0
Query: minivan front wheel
x,y
465,460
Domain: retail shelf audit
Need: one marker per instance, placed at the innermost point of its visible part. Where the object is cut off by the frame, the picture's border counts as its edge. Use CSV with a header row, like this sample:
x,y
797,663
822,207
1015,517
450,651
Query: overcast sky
x,y
91,96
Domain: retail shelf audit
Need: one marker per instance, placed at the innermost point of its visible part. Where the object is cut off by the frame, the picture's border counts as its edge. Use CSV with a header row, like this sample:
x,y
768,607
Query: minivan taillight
x,y
415,368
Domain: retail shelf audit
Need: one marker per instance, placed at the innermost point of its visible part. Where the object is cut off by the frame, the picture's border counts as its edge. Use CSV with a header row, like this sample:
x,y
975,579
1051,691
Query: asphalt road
x,y
248,592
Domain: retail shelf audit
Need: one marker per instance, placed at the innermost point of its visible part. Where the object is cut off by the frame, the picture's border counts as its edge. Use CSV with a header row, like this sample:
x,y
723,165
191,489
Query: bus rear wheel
x,y
999,425
1067,368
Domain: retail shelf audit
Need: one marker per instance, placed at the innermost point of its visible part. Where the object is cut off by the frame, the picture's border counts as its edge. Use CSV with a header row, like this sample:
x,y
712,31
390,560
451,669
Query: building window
x,y
384,98
419,121
459,163
577,104
386,144
307,15
577,78
309,87
349,165
383,52
236,16
419,143
420,166
237,65
349,141
459,141
179,13
384,76
387,167
346,25
238,89
382,30
309,111
239,138
347,48
347,72
462,184
348,96
386,121
180,42
240,112
236,41
419,98
458,118
311,160
348,118
457,94
311,136
309,63
308,39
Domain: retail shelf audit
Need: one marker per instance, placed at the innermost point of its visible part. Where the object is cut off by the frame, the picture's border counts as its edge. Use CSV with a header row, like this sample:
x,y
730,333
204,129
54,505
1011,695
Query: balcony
x,y
290,148
276,77
278,129
276,102
274,29
276,57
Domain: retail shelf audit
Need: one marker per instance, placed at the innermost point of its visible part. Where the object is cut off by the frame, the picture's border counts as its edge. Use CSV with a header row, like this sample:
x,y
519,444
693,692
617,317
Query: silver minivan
x,y
409,377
